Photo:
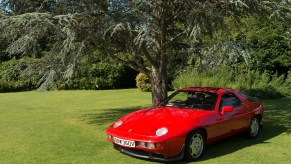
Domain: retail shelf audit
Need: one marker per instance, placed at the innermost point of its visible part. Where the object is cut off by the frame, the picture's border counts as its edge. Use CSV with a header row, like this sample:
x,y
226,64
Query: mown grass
x,y
68,127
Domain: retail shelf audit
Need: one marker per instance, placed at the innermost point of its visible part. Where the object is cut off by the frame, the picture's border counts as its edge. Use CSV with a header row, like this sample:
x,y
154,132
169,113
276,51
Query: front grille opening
x,y
138,152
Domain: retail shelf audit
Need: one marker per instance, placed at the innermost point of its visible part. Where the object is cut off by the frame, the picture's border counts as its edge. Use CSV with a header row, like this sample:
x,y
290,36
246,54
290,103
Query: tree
x,y
271,42
139,33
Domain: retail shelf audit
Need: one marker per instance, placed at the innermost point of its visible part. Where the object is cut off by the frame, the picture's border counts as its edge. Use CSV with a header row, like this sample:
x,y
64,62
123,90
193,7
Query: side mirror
x,y
226,109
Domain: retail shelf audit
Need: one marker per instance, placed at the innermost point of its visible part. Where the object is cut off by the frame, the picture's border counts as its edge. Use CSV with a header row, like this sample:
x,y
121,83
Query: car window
x,y
181,96
193,99
229,99
252,99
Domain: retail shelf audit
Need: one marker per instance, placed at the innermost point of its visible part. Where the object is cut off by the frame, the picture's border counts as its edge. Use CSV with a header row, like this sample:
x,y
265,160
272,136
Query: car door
x,y
231,122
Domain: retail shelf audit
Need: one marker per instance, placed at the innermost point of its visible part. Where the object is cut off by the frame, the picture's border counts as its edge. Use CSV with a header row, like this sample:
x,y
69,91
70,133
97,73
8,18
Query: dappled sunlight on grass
x,y
278,112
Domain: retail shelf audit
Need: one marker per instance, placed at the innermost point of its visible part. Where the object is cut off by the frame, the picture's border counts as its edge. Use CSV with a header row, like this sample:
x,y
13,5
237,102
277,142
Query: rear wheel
x,y
254,128
194,145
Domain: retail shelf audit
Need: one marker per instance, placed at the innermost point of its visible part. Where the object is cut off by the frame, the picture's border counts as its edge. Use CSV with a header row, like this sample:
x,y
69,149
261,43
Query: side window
x,y
229,99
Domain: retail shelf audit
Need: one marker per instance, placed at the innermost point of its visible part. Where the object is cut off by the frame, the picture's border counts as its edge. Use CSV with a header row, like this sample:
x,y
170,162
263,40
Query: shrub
x,y
13,81
95,74
143,82
100,75
254,83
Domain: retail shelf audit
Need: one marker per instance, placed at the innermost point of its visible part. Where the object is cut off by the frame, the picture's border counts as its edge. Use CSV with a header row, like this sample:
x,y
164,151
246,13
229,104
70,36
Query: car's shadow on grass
x,y
107,116
277,120
239,142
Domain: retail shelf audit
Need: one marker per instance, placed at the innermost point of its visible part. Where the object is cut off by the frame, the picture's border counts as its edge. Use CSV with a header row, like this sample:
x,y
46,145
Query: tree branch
x,y
141,66
138,66
174,38
148,56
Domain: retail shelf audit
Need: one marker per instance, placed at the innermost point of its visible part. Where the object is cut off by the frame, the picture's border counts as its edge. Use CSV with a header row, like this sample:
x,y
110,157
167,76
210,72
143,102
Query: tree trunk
x,y
159,86
158,74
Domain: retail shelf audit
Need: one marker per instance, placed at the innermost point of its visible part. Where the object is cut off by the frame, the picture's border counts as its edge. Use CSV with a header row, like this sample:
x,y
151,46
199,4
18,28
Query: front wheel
x,y
195,143
254,128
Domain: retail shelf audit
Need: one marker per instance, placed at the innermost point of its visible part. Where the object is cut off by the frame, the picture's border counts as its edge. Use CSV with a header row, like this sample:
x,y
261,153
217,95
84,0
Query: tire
x,y
195,144
254,127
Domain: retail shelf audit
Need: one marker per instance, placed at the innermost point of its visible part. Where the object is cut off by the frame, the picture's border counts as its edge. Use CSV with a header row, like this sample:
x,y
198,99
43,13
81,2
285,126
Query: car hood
x,y
147,121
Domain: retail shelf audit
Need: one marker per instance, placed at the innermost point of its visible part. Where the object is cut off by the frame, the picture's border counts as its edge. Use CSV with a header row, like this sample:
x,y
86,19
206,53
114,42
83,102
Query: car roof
x,y
209,89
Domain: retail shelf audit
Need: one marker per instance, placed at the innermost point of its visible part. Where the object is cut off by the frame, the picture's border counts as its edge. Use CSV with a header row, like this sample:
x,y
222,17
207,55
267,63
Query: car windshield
x,y
192,99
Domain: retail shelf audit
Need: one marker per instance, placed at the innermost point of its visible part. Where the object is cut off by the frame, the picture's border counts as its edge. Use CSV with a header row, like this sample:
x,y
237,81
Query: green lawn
x,y
68,127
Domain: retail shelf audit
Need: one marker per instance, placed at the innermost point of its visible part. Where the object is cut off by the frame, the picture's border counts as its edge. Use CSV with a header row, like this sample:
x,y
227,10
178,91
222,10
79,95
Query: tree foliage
x,y
271,42
142,34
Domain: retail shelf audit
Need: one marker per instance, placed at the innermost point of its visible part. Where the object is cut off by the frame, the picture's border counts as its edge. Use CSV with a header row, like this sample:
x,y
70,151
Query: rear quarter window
x,y
252,99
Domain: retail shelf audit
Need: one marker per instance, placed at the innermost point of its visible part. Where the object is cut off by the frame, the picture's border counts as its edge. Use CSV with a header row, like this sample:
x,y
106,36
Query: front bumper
x,y
148,155
168,148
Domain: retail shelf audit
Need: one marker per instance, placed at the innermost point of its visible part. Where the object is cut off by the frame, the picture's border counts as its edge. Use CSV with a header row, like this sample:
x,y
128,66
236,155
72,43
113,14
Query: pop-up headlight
x,y
117,124
161,131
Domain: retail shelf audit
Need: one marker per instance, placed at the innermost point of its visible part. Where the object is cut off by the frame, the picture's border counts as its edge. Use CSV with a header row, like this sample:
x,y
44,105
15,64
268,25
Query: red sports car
x,y
185,122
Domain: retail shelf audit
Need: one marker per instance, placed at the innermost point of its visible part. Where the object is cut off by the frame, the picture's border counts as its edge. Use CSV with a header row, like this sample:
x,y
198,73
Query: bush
x,y
254,83
13,81
143,82
100,75
94,74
